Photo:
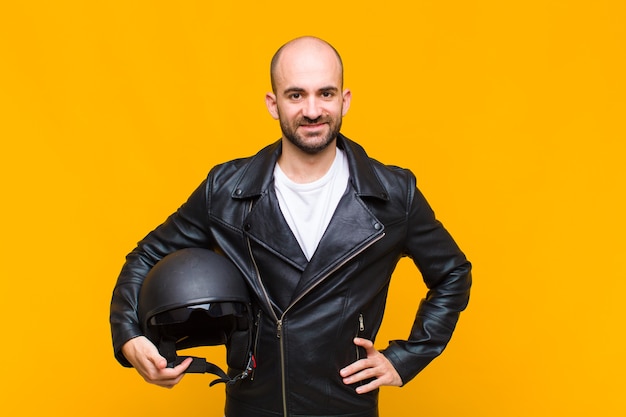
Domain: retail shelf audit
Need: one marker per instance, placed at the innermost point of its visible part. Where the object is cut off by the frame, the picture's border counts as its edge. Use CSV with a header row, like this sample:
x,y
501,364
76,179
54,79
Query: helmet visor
x,y
213,310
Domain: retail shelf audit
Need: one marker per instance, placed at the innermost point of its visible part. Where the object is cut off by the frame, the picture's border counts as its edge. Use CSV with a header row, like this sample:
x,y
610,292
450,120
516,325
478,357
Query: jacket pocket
x,y
360,352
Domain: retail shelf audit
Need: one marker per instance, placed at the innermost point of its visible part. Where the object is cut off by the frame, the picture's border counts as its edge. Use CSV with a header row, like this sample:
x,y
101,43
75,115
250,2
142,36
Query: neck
x,y
301,167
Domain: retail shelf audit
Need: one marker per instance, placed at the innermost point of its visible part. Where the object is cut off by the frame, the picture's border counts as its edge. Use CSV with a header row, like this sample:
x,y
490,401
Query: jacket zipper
x,y
279,320
359,331
258,274
320,280
283,374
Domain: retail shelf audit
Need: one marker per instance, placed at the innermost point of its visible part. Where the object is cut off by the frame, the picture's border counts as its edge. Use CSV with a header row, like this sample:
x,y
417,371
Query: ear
x,y
272,106
347,97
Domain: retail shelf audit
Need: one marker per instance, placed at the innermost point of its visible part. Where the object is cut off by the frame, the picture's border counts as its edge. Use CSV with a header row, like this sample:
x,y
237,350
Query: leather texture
x,y
308,312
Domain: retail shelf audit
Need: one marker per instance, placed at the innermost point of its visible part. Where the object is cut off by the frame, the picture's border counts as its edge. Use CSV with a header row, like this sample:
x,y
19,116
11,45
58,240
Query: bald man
x,y
316,227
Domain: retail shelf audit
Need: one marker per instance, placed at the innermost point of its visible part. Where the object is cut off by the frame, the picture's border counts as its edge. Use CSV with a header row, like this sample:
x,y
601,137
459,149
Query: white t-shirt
x,y
309,207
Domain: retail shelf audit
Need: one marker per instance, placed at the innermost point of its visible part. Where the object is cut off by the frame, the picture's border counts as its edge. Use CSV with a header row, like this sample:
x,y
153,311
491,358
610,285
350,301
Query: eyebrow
x,y
290,90
293,90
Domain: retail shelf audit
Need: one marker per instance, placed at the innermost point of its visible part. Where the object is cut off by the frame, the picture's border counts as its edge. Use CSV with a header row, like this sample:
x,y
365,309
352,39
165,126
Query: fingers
x,y
365,343
152,367
376,368
359,366
169,377
165,377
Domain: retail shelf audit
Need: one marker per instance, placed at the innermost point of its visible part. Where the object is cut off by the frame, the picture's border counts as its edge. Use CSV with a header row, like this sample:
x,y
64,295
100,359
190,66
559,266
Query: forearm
x,y
447,274
434,324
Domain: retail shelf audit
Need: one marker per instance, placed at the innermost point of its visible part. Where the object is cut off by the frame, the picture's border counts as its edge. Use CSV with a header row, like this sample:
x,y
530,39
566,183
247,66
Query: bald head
x,y
306,46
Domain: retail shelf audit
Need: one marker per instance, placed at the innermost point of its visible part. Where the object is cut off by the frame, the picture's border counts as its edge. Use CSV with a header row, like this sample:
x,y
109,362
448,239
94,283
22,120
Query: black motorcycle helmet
x,y
195,297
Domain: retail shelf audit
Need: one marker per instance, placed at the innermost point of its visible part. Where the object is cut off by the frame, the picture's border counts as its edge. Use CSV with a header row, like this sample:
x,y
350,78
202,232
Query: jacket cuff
x,y
406,364
120,337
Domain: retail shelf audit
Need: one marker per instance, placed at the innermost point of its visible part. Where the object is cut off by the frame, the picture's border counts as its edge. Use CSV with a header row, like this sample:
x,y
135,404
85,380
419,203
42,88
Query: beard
x,y
310,143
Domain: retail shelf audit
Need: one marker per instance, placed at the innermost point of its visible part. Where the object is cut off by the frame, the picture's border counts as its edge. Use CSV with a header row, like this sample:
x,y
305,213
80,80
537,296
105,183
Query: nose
x,y
312,109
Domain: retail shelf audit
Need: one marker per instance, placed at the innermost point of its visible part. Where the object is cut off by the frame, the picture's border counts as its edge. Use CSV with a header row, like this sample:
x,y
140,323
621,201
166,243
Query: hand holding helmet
x,y
192,297
149,363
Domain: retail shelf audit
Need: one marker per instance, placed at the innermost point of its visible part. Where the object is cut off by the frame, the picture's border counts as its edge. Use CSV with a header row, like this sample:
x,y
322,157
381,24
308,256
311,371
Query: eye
x,y
327,94
295,96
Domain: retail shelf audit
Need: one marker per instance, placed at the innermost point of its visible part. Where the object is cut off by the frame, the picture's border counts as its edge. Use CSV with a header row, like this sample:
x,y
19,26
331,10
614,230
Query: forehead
x,y
308,66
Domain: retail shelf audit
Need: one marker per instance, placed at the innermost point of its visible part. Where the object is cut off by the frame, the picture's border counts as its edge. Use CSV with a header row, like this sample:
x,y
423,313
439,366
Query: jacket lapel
x,y
351,229
266,225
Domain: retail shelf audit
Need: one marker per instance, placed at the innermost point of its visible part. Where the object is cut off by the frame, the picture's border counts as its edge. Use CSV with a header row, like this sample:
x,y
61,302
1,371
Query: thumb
x,y
366,344
155,357
159,361
359,341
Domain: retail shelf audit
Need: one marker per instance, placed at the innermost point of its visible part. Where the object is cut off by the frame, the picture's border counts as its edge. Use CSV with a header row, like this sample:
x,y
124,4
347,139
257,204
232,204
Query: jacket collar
x,y
259,173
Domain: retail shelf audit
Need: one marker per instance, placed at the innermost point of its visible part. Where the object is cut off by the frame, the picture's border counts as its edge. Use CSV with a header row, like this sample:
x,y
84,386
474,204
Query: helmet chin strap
x,y
167,348
201,366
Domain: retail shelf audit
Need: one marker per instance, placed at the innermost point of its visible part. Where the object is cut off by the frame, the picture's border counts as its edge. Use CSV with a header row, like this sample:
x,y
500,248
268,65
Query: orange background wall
x,y
511,114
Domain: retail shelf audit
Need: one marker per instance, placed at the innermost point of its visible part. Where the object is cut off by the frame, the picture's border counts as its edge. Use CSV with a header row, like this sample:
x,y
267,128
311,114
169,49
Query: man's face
x,y
308,101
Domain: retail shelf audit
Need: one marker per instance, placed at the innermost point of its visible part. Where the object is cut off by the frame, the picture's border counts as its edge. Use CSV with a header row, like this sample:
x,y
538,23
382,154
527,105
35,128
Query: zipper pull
x,y
279,328
361,325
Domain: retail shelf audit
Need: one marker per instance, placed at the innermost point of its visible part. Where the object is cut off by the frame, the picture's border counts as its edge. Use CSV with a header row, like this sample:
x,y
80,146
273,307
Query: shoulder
x,y
369,172
249,175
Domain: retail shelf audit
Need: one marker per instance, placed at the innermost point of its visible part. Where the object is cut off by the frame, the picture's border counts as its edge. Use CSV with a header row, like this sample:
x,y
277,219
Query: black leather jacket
x,y
309,312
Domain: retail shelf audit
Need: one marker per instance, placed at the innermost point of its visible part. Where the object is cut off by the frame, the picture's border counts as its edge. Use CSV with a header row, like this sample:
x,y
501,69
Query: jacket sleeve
x,y
447,275
187,227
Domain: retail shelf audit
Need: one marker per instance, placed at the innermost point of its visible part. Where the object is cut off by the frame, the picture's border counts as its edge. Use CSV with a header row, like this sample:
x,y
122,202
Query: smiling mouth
x,y
312,125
